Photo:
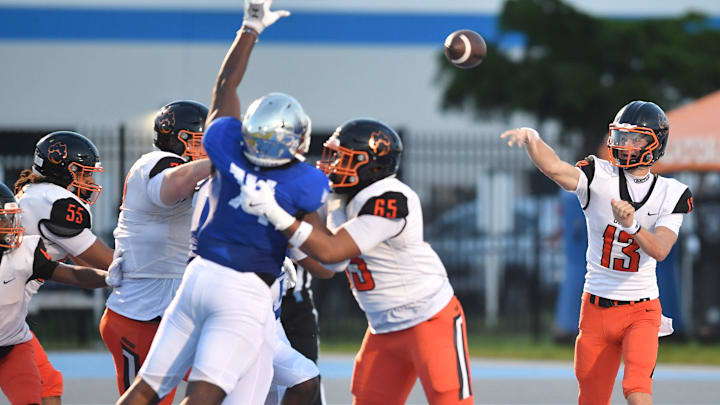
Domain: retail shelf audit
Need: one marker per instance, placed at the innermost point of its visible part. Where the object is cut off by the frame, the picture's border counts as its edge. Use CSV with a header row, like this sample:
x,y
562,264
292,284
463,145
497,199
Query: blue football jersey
x,y
227,235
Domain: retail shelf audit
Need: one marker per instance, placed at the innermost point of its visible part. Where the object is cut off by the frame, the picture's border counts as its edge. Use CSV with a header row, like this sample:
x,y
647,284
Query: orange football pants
x,y
388,364
52,380
129,343
606,335
19,375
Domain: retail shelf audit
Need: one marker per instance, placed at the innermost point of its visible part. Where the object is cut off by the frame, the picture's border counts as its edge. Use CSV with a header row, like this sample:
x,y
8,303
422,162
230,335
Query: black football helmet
x,y
359,153
11,232
179,127
68,159
638,135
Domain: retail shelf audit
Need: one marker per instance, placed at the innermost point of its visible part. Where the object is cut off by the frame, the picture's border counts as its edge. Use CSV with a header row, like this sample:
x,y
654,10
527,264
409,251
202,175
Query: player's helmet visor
x,y
631,145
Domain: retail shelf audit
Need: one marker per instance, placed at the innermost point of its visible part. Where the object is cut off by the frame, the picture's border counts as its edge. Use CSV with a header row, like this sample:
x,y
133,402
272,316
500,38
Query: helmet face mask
x,y
179,128
276,130
11,230
359,153
193,144
631,146
83,184
638,135
341,164
69,160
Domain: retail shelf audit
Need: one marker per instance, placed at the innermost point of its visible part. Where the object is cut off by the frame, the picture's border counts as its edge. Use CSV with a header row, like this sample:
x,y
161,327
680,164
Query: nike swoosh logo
x,y
649,310
253,205
5,282
653,214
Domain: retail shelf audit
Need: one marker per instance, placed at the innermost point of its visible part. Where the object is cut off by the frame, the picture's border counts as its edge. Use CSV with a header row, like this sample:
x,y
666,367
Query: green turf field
x,y
523,347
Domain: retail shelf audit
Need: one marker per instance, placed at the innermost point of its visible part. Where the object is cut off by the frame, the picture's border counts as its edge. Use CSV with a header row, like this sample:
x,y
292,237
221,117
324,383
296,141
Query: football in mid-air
x,y
465,48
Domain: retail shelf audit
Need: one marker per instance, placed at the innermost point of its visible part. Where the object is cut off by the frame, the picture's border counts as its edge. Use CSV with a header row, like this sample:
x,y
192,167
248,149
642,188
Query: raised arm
x,y
544,157
225,101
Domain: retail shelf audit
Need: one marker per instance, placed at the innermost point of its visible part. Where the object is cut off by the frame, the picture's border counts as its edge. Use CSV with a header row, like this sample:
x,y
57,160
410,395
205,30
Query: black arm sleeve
x,y
67,218
685,204
392,205
165,163
43,266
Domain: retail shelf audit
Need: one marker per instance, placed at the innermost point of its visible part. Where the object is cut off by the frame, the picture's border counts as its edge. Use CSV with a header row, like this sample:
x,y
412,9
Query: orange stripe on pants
x,y
19,375
52,380
388,364
129,343
606,335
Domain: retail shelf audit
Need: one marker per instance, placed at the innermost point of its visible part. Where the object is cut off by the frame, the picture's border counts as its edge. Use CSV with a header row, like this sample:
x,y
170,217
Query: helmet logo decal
x,y
379,143
57,152
166,122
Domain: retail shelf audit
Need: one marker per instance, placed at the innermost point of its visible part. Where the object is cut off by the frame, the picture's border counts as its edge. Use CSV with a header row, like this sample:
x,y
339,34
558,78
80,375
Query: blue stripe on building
x,y
203,26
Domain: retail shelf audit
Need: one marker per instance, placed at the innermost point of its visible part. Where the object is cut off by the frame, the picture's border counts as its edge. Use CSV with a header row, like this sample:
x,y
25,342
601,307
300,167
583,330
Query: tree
x,y
579,69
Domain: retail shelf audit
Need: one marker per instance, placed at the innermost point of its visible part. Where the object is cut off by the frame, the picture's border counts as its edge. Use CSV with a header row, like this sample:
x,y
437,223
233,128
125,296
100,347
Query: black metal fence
x,y
494,220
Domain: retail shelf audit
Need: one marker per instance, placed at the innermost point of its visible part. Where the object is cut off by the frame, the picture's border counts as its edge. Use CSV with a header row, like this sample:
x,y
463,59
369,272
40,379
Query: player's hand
x,y
519,136
624,212
114,273
258,15
259,199
289,268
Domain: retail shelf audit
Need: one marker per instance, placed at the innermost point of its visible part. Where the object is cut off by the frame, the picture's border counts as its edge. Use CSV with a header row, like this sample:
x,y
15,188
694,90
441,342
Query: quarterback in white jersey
x,y
21,261
416,324
153,234
633,218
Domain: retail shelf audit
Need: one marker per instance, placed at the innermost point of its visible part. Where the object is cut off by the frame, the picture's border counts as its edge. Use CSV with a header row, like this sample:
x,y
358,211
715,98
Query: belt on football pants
x,y
607,303
267,278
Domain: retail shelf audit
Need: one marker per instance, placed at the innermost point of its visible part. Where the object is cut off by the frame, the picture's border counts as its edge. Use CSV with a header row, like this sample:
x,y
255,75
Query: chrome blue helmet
x,y
276,130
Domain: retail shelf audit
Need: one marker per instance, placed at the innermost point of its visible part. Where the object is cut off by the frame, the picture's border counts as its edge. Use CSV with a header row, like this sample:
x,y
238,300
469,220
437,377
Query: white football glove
x,y
259,199
289,269
258,15
114,274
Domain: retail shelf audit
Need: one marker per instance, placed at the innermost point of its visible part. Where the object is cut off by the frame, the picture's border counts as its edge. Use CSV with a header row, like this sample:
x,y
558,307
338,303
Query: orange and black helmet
x,y
11,232
179,127
638,135
66,158
359,153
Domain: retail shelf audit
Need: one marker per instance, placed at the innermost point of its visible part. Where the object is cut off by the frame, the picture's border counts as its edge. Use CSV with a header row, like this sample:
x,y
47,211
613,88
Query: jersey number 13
x,y
631,257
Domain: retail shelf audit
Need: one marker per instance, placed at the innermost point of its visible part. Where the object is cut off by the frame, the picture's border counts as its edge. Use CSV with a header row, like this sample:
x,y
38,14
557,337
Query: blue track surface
x,y
81,365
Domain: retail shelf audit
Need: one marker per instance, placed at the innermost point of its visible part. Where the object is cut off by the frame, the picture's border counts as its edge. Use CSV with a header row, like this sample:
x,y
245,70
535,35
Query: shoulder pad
x,y
165,163
391,204
68,218
685,204
587,166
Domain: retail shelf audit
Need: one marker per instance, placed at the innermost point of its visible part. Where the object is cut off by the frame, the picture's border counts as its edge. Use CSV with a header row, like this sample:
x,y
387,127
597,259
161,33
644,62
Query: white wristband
x,y
297,254
301,234
632,229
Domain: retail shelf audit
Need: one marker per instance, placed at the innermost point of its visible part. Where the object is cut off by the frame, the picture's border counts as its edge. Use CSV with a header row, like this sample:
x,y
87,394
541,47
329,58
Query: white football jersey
x,y
57,215
398,280
616,266
17,266
154,237
155,240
